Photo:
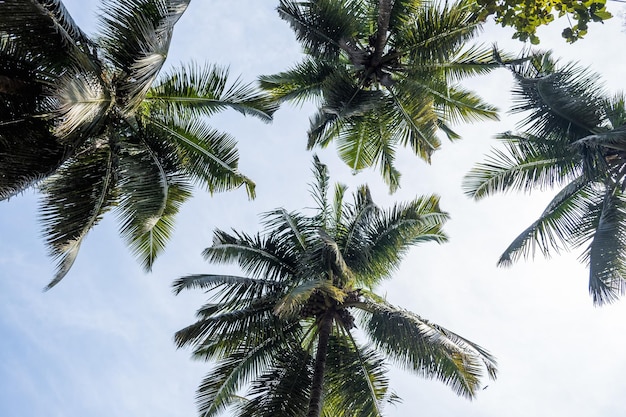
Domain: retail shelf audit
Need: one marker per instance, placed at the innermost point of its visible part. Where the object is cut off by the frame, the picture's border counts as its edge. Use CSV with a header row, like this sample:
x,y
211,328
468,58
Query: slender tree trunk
x,y
384,14
315,401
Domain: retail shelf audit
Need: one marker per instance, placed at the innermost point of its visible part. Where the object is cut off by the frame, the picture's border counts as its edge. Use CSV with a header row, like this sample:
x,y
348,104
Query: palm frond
x,y
136,35
206,155
305,81
606,253
357,217
75,198
356,379
472,60
527,162
428,349
283,389
559,225
410,116
222,328
150,197
322,26
392,232
565,101
452,103
47,31
437,33
79,102
219,388
196,91
290,226
255,255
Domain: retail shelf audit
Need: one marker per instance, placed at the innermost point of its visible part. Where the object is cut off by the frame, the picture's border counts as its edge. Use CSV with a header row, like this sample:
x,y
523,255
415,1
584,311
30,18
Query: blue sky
x,y
100,343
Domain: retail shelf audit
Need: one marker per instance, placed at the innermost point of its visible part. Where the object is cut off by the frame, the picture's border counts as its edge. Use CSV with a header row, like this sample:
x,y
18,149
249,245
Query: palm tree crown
x,y
385,74
286,329
91,117
574,138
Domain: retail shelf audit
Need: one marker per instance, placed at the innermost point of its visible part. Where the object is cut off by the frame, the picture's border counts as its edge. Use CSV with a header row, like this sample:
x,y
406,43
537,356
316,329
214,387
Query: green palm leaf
x,y
322,26
357,384
527,162
206,155
203,91
255,256
282,390
151,195
75,200
136,35
607,251
559,224
427,349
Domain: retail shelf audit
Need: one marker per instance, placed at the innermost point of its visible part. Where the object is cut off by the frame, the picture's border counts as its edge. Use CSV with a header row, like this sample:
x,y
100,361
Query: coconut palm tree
x,y
574,138
287,328
93,119
385,74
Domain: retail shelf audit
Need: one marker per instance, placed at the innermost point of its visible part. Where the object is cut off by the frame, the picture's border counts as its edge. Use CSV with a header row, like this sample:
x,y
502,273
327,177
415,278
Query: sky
x,y
100,342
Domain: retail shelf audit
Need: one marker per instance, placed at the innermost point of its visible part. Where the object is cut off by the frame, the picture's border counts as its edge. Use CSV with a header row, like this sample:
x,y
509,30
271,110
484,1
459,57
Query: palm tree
x,y
286,329
385,74
93,120
575,139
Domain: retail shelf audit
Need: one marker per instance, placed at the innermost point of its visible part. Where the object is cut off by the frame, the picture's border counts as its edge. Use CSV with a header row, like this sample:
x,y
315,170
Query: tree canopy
x,y
384,74
93,118
285,330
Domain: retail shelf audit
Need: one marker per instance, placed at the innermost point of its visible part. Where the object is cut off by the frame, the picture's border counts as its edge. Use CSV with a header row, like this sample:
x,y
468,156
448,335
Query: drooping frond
x,y
564,102
606,254
560,224
356,382
75,198
283,389
151,193
47,33
426,348
207,156
219,388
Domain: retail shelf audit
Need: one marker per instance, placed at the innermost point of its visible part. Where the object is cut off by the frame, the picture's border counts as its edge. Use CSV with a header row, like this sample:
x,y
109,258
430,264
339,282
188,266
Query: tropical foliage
x,y
574,138
93,118
527,16
385,74
287,328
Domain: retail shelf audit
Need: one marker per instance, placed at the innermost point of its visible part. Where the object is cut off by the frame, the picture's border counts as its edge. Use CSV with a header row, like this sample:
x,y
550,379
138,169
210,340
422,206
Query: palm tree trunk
x,y
384,14
315,401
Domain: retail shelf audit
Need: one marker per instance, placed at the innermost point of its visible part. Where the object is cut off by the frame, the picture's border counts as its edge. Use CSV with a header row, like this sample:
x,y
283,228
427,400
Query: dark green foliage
x,y
90,118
